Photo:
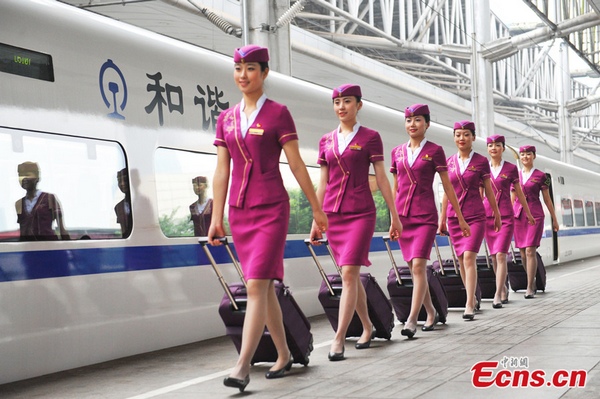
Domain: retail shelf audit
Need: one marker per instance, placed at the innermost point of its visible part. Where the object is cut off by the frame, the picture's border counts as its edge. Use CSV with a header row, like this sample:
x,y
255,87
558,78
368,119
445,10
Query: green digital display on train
x,y
28,63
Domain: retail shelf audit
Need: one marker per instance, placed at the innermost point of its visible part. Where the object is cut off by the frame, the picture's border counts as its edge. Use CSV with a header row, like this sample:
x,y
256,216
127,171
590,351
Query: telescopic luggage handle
x,y
203,241
324,241
454,258
386,241
487,254
514,253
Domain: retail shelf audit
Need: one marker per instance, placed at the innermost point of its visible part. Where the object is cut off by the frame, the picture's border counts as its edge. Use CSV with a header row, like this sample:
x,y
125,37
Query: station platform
x,y
537,345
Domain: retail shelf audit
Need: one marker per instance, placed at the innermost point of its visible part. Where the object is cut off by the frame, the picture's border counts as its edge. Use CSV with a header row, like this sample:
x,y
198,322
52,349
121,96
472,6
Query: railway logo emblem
x,y
114,88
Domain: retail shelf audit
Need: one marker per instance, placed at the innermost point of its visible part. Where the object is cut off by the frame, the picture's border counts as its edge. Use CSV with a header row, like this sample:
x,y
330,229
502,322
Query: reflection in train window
x,y
383,221
57,187
579,218
589,213
301,212
184,192
567,212
597,206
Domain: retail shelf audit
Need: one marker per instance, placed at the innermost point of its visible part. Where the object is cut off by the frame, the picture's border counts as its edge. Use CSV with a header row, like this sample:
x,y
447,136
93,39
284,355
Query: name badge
x,y
355,147
256,132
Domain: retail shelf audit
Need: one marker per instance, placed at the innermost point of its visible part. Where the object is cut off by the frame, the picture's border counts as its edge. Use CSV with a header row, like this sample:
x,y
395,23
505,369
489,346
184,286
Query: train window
x,y
597,206
589,213
58,187
300,210
383,220
578,208
567,212
301,213
184,191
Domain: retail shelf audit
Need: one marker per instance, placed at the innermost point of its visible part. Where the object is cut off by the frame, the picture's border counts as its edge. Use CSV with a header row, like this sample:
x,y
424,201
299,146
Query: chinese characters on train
x,y
209,99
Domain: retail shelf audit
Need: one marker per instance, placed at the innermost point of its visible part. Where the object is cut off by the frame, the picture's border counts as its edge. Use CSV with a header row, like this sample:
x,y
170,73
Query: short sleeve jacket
x,y
348,189
501,185
255,176
537,182
467,185
415,183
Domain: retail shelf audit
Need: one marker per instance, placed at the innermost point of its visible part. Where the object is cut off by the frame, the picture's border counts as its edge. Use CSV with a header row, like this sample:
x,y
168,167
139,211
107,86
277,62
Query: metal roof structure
x,y
407,51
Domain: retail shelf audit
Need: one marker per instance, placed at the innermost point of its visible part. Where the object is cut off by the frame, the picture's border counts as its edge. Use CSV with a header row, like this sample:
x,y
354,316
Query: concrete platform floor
x,y
557,330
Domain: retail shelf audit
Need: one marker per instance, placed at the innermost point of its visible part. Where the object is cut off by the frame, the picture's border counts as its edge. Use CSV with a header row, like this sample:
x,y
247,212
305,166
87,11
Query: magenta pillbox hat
x,y
416,109
527,148
464,125
251,53
346,90
496,138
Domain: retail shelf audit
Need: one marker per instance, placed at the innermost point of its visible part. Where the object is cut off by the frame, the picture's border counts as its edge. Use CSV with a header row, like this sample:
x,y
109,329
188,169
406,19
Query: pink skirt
x,y
499,242
418,233
349,236
471,243
527,235
259,235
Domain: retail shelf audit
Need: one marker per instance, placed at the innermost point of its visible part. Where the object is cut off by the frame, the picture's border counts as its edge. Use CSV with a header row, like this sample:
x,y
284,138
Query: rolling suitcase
x,y
517,276
400,288
380,309
486,275
233,310
449,273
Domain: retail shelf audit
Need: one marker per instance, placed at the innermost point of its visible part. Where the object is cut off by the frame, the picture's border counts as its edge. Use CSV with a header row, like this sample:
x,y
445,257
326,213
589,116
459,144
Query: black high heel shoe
x,y
271,374
364,345
430,327
407,332
336,356
237,383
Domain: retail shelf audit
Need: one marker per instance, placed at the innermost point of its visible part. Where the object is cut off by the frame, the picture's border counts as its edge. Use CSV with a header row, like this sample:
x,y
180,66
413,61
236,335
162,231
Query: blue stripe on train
x,y
16,266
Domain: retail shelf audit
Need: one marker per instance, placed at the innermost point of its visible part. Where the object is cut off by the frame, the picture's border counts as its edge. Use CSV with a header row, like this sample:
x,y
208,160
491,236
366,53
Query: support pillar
x,y
259,18
482,95
565,130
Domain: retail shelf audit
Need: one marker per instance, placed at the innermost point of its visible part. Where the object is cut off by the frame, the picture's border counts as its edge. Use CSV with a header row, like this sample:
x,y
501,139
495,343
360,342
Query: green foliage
x,y
176,227
301,213
382,224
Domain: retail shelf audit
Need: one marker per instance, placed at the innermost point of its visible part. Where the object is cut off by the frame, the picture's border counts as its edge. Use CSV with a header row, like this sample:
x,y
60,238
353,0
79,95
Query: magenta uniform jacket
x,y
415,200
348,189
258,200
415,184
466,187
525,234
501,186
348,201
256,157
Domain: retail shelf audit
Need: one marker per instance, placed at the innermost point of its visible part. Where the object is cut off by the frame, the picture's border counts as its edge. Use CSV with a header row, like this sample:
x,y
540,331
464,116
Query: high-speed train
x,y
95,103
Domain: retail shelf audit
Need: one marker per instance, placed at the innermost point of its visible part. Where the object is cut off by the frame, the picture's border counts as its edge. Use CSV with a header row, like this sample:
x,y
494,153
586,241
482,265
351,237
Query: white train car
x,y
85,97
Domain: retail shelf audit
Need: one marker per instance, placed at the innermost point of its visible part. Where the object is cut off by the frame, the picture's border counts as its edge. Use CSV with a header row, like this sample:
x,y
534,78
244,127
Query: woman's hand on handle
x,y
214,233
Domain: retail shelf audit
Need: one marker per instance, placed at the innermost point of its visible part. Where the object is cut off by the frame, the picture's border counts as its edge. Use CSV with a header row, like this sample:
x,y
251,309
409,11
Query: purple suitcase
x,y
486,275
400,287
380,309
233,310
449,273
517,276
